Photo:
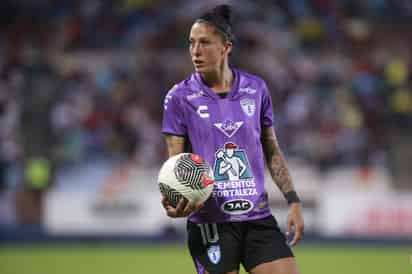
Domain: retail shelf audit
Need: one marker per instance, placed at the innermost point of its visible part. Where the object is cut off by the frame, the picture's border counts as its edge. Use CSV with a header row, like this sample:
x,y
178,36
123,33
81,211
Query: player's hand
x,y
183,208
295,223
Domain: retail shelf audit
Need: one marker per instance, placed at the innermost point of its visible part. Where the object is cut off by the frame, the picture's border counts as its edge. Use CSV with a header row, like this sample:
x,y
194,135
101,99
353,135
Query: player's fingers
x,y
180,207
190,207
295,240
171,212
198,206
298,234
289,226
165,202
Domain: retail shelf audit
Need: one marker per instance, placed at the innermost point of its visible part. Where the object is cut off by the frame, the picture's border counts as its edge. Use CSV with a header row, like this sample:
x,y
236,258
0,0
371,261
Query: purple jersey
x,y
226,133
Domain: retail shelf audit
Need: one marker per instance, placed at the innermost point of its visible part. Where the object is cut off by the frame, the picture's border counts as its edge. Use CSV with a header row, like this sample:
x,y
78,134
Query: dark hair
x,y
221,17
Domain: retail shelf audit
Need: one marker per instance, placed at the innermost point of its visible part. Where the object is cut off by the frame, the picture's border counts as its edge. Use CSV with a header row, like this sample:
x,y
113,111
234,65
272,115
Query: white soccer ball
x,y
187,176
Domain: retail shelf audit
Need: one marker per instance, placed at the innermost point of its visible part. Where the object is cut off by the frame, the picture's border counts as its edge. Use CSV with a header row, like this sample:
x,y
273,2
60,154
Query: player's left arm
x,y
280,174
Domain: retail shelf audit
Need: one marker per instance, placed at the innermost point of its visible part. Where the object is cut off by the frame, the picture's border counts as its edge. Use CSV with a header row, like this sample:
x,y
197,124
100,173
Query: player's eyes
x,y
200,43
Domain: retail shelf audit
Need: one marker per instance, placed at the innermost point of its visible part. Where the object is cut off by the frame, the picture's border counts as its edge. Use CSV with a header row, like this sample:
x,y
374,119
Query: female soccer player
x,y
226,115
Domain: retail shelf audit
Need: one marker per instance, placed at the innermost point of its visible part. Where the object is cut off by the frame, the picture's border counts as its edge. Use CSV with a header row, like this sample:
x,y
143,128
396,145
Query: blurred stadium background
x,y
81,90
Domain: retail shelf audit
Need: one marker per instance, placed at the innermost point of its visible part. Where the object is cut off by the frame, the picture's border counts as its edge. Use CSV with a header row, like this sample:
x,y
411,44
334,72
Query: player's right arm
x,y
175,145
175,129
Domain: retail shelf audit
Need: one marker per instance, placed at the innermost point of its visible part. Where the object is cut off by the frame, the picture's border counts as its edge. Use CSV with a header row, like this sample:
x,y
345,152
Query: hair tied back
x,y
224,12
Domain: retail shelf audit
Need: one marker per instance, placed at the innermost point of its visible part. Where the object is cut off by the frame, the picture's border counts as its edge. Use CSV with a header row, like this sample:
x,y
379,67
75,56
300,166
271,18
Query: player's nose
x,y
195,50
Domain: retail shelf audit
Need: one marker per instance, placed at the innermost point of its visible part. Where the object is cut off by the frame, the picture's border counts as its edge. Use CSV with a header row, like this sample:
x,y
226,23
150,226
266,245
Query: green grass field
x,y
175,260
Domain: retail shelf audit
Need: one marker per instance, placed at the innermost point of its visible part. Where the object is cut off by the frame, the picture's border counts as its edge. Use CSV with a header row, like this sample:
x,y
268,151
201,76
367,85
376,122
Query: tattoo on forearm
x,y
175,144
275,161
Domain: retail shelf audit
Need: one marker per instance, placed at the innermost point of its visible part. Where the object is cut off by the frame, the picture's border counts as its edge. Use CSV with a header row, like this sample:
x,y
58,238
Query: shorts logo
x,y
237,207
213,252
248,106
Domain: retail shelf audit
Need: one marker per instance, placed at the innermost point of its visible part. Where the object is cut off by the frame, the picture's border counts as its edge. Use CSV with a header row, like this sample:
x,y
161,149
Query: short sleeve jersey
x,y
226,133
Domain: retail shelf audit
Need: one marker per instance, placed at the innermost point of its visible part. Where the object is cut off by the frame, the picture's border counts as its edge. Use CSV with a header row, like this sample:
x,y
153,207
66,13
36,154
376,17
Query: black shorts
x,y
222,247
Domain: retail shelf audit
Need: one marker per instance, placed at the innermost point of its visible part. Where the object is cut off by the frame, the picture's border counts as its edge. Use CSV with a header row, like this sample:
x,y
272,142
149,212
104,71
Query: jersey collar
x,y
211,93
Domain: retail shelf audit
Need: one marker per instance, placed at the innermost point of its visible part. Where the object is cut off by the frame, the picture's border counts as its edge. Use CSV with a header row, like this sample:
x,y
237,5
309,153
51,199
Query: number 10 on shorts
x,y
209,233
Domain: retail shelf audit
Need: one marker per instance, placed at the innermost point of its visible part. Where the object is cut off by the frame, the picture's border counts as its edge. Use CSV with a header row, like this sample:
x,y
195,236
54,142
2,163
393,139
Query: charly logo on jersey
x,y
228,127
202,111
237,207
248,106
247,90
213,252
231,164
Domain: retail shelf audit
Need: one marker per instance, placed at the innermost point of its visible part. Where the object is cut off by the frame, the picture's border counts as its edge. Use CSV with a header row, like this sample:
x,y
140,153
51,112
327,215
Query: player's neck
x,y
219,81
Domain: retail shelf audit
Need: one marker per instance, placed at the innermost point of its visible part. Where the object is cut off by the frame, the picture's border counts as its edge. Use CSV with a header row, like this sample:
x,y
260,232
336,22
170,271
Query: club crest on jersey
x,y
194,95
228,127
213,252
247,90
248,106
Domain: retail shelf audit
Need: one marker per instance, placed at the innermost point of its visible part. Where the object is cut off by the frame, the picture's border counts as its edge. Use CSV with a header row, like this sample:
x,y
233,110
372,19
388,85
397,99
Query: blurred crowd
x,y
81,80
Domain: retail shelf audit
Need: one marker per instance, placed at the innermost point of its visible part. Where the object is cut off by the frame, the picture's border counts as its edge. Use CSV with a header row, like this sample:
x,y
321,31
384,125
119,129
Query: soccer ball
x,y
186,176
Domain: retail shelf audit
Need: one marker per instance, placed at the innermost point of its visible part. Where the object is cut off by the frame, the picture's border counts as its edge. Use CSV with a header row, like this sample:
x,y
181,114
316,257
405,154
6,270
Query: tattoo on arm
x,y
175,144
275,161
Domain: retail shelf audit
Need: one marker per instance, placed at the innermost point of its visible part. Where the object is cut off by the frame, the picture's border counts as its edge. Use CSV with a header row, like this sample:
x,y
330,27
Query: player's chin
x,y
200,69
